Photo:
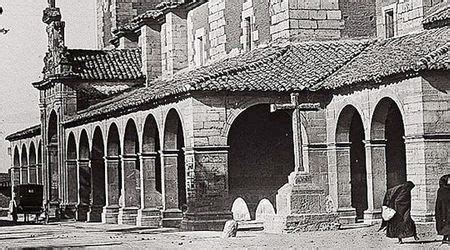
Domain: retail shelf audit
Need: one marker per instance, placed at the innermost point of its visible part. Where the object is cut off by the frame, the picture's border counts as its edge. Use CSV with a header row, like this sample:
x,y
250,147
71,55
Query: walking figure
x,y
401,225
442,209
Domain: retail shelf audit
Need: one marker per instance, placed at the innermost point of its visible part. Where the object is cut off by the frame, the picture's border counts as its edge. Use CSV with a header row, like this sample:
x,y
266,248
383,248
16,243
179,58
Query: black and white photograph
x,y
211,124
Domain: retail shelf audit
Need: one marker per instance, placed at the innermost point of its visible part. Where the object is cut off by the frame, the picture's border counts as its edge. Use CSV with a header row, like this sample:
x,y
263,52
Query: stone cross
x,y
296,108
51,3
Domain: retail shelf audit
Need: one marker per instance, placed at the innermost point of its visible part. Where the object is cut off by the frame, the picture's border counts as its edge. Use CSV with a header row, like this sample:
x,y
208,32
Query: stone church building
x,y
302,111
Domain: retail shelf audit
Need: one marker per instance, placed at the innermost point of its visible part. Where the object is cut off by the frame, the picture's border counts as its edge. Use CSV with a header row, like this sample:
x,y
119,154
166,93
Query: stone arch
x,y
151,160
16,157
351,161
113,174
84,176
39,163
71,165
32,163
175,195
260,155
98,194
24,165
240,210
52,151
387,129
131,166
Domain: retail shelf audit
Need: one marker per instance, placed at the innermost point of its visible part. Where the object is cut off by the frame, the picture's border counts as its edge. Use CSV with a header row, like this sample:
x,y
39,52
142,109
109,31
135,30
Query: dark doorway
x,y
260,156
358,173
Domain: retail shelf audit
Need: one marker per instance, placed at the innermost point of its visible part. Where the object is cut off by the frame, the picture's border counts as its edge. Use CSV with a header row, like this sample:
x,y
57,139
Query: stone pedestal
x,y
172,218
70,211
151,200
149,217
128,215
302,206
82,210
110,214
205,221
347,215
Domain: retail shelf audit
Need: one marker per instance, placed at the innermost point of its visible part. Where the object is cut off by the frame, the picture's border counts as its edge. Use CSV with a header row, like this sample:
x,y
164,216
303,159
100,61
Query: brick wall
x,y
359,18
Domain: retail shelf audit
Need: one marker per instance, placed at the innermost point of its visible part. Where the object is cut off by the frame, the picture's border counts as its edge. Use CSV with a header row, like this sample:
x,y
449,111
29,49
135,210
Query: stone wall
x,y
198,31
359,18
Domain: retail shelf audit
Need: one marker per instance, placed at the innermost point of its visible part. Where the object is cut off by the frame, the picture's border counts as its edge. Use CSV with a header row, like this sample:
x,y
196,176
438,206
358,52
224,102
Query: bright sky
x,y
22,51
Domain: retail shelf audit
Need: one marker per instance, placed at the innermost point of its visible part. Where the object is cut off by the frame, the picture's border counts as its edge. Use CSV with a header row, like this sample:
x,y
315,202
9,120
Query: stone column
x,y
111,210
39,173
207,188
130,190
84,178
24,174
15,176
72,187
151,200
376,177
32,174
54,173
347,214
172,215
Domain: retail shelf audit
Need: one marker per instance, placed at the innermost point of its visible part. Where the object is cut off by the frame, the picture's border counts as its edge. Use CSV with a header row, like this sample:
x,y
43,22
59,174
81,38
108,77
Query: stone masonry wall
x,y
359,18
305,19
217,24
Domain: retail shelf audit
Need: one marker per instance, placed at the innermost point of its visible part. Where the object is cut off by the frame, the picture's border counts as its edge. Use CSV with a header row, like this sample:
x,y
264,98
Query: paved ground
x,y
95,235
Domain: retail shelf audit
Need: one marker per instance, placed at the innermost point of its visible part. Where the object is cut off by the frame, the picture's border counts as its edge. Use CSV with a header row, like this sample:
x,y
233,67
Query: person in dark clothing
x,y
442,209
401,225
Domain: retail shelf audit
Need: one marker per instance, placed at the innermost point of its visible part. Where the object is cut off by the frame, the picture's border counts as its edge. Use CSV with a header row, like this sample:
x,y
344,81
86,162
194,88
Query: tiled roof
x,y
26,133
281,68
437,13
410,53
116,64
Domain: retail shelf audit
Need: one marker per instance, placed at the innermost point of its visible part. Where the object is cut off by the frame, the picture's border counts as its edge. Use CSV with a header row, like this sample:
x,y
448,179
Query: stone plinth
x,y
149,218
110,214
302,206
213,221
95,213
172,218
128,215
81,212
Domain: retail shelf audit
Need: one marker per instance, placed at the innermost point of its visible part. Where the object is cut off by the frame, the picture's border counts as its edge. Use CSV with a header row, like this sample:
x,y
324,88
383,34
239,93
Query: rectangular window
x,y
389,22
248,33
199,51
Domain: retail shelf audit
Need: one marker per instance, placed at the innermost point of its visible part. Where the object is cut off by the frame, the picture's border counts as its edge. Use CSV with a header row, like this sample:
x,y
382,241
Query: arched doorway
x,y
151,160
174,163
84,177
16,164
24,167
71,167
32,164
97,177
130,175
113,176
351,165
387,126
52,158
260,156
39,163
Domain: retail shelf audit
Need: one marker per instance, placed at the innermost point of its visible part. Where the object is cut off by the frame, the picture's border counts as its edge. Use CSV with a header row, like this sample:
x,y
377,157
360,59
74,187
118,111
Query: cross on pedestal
x,y
296,109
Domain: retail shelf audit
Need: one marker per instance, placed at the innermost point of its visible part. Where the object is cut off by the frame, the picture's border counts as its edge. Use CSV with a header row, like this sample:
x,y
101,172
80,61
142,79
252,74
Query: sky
x,y
22,51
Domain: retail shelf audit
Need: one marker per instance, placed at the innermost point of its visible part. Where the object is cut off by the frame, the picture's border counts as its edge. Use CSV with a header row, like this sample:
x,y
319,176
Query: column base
x,y
82,211
54,211
95,213
206,221
110,215
372,216
70,211
128,215
347,215
296,223
172,218
149,217
423,217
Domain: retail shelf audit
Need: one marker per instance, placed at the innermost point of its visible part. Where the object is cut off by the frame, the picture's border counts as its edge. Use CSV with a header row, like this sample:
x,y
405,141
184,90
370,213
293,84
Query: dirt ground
x,y
96,235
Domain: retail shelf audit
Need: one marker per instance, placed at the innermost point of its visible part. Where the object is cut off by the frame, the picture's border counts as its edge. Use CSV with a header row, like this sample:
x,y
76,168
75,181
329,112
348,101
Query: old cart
x,y
28,200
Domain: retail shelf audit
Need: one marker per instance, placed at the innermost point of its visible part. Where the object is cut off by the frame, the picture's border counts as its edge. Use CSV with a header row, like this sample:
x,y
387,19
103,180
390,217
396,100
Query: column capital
x,y
208,149
340,144
169,152
83,161
148,154
71,161
128,156
375,143
111,158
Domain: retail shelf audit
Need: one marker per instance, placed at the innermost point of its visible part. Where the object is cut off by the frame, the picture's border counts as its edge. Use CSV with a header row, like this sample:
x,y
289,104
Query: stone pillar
x,y
32,174
149,214
84,178
217,24
72,188
39,173
130,190
176,36
376,177
24,174
172,215
207,188
151,51
342,178
111,210
54,173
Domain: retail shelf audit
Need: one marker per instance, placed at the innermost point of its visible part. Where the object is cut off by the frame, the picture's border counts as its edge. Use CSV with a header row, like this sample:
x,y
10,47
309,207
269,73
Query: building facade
x,y
302,112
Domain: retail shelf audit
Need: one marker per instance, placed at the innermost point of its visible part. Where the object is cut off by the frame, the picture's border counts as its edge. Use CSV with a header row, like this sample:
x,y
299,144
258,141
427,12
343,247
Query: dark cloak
x,y
442,209
401,225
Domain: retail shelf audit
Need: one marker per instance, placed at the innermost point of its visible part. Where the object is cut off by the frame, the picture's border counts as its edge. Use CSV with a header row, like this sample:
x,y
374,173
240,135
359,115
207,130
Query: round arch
x,y
131,165
71,165
98,194
32,154
84,177
52,128
113,168
32,162
387,127
260,144
39,163
24,165
351,161
16,157
151,165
